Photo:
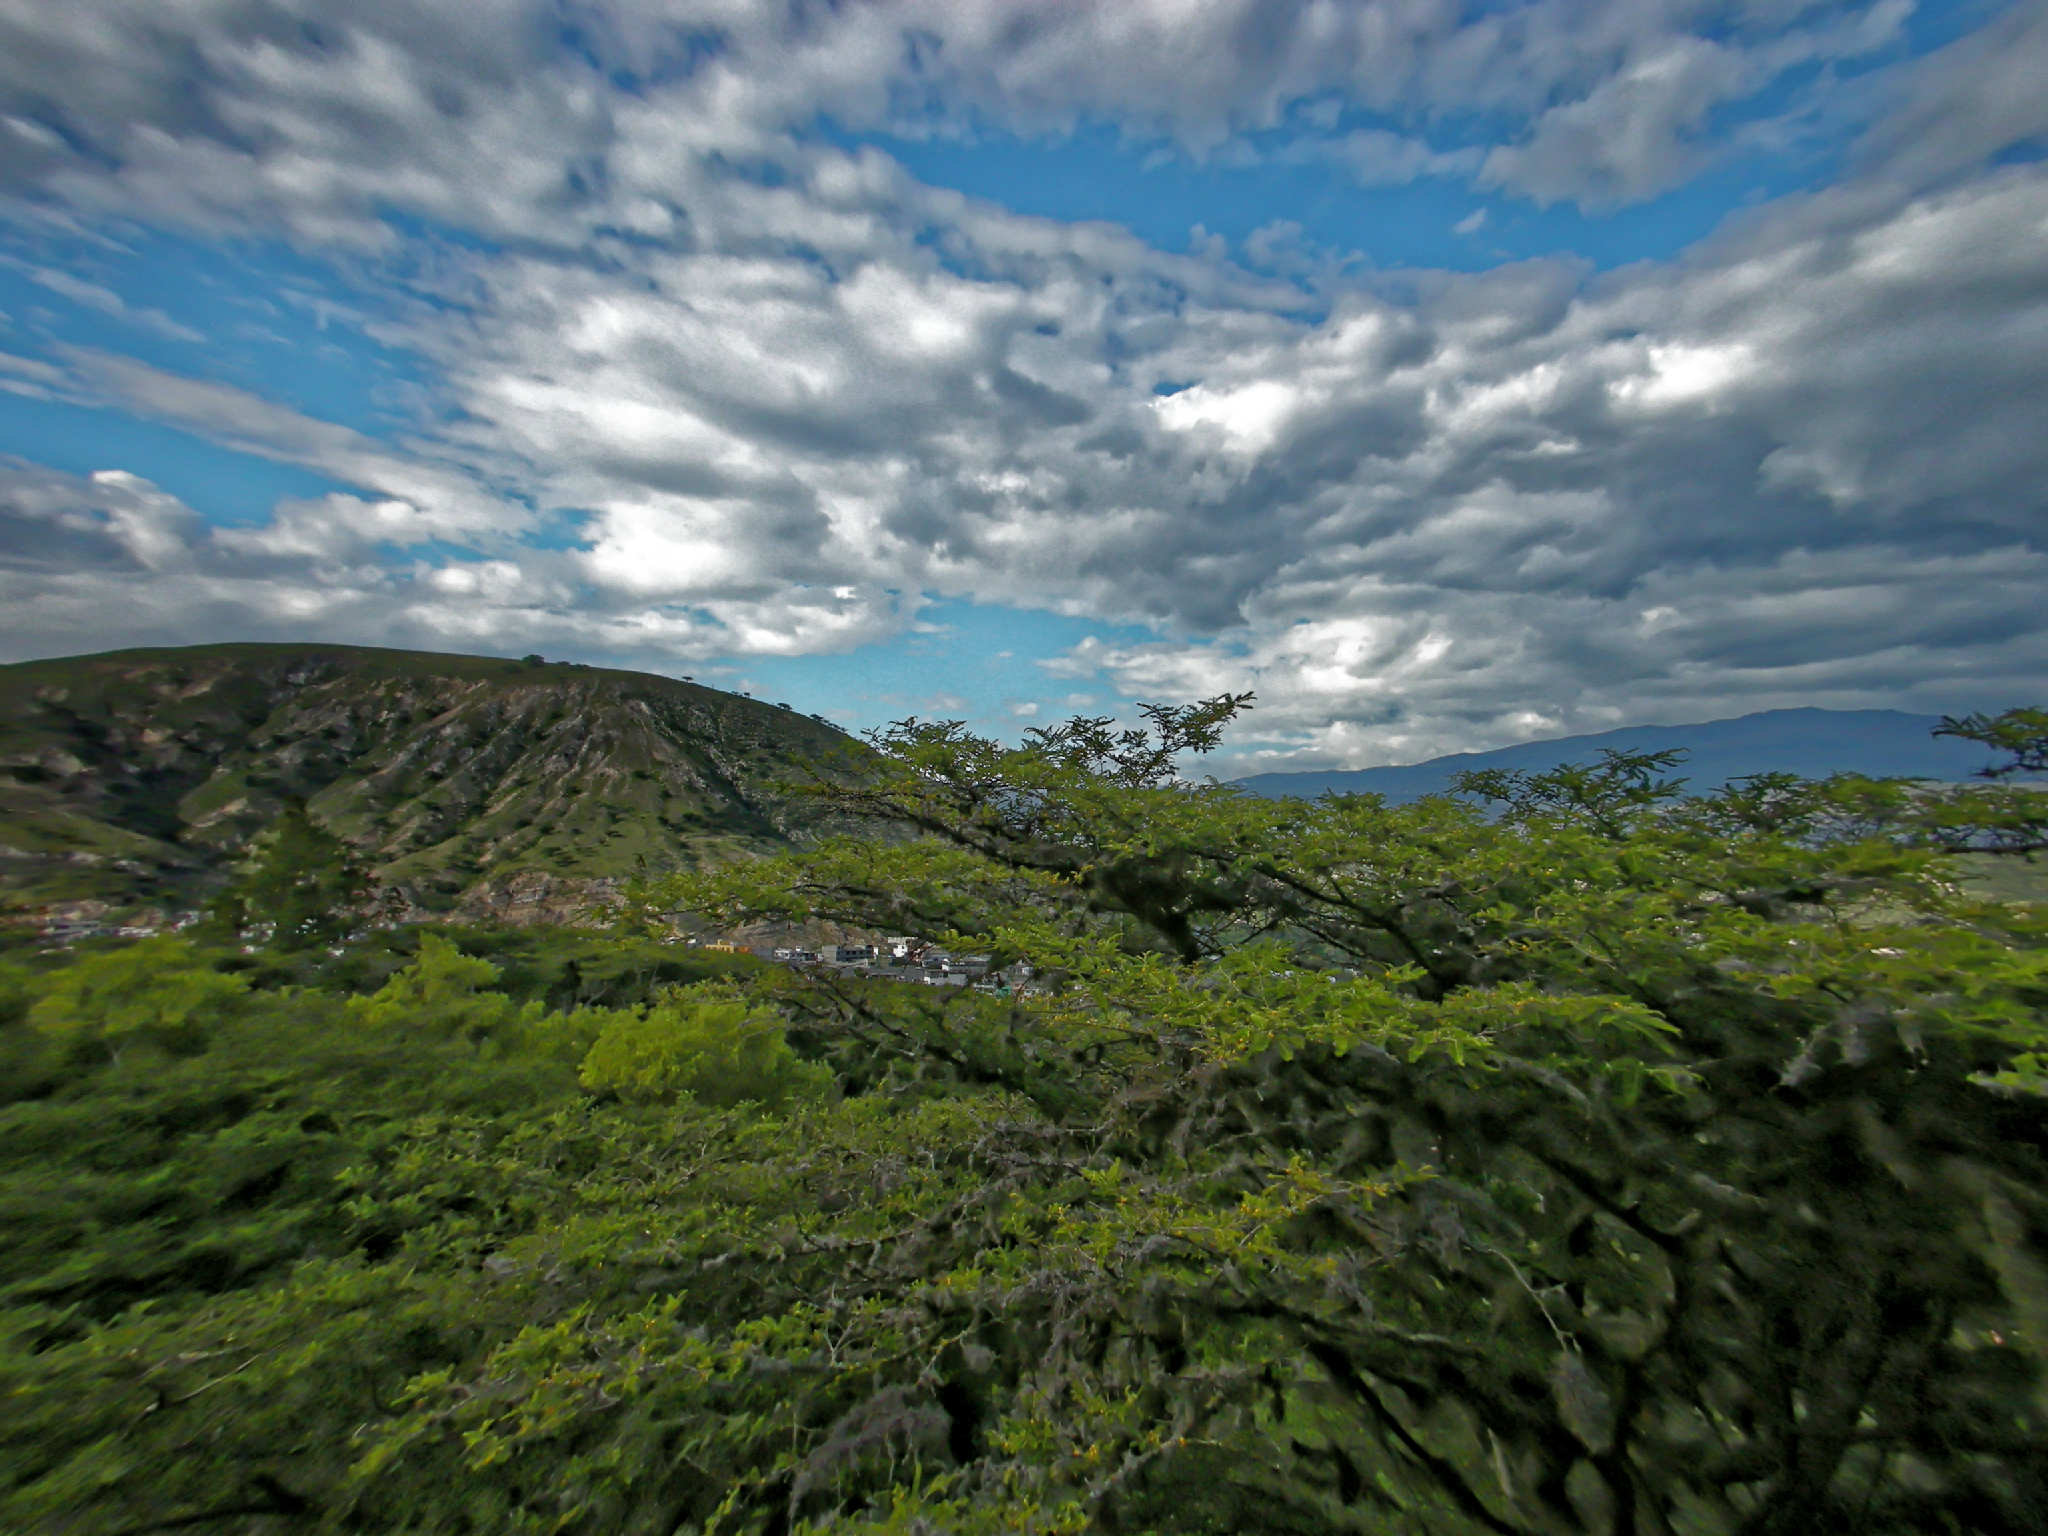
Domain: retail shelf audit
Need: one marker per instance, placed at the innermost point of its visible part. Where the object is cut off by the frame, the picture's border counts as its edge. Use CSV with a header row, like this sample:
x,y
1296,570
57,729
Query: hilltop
x,y
495,787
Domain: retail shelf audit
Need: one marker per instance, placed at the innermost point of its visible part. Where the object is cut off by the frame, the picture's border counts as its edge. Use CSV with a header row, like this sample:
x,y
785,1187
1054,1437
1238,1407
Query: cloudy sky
x,y
1450,372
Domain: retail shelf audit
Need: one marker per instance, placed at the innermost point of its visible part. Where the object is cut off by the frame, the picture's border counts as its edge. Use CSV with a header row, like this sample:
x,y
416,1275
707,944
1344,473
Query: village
x,y
897,957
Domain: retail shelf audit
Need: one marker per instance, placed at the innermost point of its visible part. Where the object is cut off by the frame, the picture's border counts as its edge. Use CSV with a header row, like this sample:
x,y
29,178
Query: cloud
x,y
235,115
698,384
31,368
1375,157
1630,136
1807,454
1638,123
89,563
1471,488
107,302
1413,672
1965,103
443,500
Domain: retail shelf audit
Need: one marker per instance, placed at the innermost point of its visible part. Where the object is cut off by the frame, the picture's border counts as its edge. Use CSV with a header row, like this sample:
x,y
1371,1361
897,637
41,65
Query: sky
x,y
1447,373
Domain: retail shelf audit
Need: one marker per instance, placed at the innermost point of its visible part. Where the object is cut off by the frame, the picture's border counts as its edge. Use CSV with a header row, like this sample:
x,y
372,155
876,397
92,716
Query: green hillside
x,y
462,781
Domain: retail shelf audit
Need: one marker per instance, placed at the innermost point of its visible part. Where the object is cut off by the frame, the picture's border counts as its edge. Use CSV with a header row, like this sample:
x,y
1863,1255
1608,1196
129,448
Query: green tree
x,y
2021,732
710,1046
444,994
301,879
159,992
1611,1163
1587,1161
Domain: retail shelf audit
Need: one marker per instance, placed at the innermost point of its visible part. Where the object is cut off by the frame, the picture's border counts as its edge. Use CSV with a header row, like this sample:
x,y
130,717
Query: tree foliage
x,y
1585,1160
443,993
1614,1162
157,993
2021,733
304,882
714,1048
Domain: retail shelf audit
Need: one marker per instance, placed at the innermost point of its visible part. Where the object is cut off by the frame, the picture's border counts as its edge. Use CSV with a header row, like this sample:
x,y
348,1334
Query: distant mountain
x,y
1813,743
465,782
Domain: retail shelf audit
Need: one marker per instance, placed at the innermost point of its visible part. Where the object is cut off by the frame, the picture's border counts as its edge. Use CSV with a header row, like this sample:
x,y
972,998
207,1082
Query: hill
x,y
465,783
1813,743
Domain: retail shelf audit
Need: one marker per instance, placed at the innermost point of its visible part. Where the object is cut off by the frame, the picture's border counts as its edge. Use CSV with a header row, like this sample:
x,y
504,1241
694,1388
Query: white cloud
x,y
765,392
1375,157
235,115
107,302
1251,417
441,501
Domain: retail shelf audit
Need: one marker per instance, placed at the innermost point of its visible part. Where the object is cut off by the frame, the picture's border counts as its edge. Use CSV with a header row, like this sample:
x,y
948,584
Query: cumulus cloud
x,y
239,114
1825,379
1801,466
105,560
703,385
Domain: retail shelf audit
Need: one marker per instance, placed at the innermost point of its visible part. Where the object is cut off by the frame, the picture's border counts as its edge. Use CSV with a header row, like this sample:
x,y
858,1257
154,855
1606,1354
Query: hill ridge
x,y
145,773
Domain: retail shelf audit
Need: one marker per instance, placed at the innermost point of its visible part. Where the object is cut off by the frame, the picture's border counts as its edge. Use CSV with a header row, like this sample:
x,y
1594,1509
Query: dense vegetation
x,y
1595,1160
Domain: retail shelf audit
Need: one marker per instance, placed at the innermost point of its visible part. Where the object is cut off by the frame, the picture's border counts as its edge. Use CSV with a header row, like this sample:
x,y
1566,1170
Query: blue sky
x,y
1448,375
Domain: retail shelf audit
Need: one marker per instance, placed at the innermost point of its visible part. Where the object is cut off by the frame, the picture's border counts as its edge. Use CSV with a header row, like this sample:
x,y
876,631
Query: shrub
x,y
158,992
717,1050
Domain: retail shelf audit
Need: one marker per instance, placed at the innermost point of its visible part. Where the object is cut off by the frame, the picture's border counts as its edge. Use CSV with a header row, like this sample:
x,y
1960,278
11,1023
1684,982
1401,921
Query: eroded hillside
x,y
501,787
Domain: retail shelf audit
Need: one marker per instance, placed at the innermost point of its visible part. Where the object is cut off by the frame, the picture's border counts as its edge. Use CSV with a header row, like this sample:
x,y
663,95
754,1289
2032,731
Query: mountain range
x,y
494,788
1812,743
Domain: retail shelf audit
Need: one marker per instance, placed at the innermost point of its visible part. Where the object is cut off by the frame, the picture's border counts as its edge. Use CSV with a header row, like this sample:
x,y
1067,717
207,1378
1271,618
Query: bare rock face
x,y
465,785
532,896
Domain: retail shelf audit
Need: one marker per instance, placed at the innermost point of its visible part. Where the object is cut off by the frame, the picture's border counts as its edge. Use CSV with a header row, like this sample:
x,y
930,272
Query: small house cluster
x,y
898,957
62,926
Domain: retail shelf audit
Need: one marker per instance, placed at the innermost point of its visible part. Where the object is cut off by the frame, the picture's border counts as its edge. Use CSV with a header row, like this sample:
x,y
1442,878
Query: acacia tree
x,y
1600,1161
2020,732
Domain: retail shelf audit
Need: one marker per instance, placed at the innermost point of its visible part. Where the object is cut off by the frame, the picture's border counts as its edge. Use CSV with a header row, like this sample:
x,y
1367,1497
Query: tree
x,y
1587,1161
701,1043
157,992
300,878
2021,732
444,995
1613,1163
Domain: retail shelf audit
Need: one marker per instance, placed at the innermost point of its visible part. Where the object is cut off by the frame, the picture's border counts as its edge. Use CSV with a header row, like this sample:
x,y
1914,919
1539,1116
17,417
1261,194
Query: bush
x,y
718,1050
442,994
158,992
